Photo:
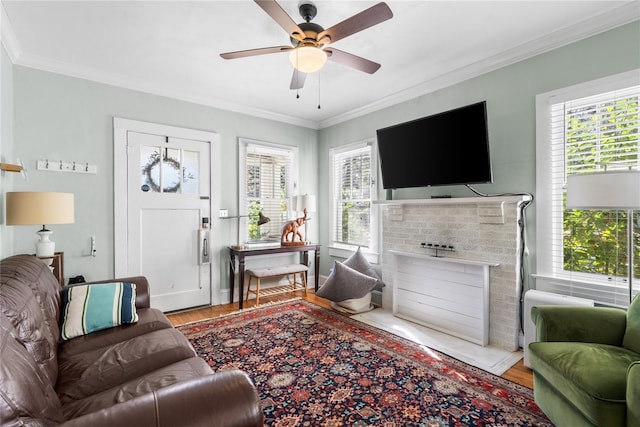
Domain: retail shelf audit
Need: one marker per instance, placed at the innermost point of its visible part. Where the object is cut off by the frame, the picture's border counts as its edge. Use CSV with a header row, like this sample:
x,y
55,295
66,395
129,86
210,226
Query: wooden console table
x,y
242,253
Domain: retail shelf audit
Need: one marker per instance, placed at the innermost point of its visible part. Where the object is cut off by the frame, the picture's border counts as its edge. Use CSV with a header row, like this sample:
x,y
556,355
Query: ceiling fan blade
x,y
358,22
351,60
297,79
277,13
254,52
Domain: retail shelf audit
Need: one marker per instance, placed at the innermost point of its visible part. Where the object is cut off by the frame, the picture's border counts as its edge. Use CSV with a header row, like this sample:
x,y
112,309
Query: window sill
x,y
346,251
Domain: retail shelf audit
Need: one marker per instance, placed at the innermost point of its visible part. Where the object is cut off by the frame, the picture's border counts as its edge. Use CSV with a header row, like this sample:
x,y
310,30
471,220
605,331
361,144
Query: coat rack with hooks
x,y
61,166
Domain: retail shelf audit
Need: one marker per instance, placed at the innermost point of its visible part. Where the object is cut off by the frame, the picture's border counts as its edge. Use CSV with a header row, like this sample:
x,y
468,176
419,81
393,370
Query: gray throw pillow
x,y
354,306
346,283
358,262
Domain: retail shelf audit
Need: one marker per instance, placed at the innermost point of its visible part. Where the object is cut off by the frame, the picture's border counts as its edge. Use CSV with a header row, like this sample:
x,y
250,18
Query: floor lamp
x,y
615,190
35,208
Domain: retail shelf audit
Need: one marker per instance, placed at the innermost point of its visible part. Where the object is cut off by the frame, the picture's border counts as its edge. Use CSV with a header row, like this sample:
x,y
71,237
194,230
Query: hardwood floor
x,y
518,373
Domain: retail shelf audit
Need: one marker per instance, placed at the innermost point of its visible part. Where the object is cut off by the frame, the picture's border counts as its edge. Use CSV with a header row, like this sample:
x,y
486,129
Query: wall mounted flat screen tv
x,y
448,148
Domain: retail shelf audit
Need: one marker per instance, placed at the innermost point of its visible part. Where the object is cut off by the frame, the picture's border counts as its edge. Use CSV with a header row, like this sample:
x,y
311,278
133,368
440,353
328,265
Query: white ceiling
x,y
172,48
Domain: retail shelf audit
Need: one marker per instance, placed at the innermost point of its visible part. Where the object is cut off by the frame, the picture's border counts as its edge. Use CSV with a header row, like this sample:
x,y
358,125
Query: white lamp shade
x,y
306,201
39,208
308,59
606,190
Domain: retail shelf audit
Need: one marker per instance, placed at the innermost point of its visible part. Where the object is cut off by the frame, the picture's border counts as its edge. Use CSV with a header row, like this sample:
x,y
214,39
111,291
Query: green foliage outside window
x,y
356,223
600,134
596,242
254,229
278,216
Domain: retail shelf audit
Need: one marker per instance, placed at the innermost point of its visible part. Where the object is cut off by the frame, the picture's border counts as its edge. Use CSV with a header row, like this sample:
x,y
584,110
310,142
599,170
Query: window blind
x,y
353,190
267,179
588,248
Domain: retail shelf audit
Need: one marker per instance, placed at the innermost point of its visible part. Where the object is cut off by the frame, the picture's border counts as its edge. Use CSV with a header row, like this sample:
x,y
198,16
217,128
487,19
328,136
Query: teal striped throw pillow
x,y
90,308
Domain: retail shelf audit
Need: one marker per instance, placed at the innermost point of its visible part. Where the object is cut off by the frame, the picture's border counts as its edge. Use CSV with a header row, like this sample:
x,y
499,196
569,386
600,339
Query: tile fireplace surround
x,y
480,228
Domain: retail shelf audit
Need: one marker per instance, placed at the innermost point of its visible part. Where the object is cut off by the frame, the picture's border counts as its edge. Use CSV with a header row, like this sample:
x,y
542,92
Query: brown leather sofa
x,y
143,374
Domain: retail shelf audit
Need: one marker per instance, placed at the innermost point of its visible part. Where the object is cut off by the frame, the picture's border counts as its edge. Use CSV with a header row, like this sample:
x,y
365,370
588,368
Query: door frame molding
x,y
121,127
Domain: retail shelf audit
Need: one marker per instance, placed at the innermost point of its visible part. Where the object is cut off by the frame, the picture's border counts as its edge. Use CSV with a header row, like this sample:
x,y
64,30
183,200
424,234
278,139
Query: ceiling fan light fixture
x,y
308,59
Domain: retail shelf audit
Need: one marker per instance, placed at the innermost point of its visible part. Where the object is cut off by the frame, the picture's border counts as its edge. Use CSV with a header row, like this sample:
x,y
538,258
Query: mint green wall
x,y
65,118
45,115
510,94
6,145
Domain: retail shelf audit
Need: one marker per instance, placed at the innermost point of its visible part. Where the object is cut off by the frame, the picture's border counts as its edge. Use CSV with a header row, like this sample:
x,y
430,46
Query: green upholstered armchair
x,y
586,365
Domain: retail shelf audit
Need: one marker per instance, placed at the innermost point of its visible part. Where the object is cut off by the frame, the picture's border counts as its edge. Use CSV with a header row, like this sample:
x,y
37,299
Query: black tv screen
x,y
448,148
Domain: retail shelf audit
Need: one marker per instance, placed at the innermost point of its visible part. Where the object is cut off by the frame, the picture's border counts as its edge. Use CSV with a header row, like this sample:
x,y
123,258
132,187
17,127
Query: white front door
x,y
168,197
156,232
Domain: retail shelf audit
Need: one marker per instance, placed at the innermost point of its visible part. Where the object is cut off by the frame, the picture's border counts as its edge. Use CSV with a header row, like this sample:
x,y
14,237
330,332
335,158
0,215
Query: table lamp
x,y
262,219
305,202
34,208
615,190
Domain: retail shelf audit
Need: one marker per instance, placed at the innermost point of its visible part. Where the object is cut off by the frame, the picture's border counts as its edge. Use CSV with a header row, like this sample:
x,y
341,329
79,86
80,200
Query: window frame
x,y
344,250
244,144
550,275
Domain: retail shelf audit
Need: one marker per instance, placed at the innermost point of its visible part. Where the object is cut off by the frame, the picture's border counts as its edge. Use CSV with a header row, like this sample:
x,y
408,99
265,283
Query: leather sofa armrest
x,y
633,395
579,324
143,300
223,399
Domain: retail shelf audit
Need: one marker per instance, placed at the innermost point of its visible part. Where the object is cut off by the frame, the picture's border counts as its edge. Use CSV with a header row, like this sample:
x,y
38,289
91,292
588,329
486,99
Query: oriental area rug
x,y
315,367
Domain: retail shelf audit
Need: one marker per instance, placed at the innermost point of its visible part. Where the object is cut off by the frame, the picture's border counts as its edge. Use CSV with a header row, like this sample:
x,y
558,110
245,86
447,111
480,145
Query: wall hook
x,y
71,166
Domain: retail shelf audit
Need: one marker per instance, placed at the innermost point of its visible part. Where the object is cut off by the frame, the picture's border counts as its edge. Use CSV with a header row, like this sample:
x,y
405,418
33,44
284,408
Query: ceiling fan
x,y
308,50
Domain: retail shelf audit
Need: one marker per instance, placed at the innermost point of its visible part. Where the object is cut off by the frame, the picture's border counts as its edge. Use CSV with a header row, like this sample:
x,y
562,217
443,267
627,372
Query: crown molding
x,y
8,36
59,67
622,15
18,57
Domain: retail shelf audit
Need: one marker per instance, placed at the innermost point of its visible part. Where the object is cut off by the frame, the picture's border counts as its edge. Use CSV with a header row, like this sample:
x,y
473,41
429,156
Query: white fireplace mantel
x,y
445,259
456,200
480,228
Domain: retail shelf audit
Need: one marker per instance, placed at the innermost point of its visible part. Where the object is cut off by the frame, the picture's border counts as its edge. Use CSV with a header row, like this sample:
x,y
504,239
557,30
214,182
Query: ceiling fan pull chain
x,y
318,90
297,71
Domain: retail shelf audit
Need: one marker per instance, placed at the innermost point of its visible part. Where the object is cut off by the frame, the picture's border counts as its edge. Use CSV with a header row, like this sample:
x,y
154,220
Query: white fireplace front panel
x,y
447,294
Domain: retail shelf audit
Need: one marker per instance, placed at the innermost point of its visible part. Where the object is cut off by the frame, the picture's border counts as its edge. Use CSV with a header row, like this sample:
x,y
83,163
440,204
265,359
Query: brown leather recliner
x,y
143,374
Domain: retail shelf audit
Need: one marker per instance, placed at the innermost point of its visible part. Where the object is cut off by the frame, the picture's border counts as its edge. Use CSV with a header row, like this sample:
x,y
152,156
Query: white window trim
x,y
341,250
548,277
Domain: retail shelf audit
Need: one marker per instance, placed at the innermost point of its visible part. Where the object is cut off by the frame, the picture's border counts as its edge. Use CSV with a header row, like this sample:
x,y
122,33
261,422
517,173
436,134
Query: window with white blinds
x,y
586,129
267,177
353,216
